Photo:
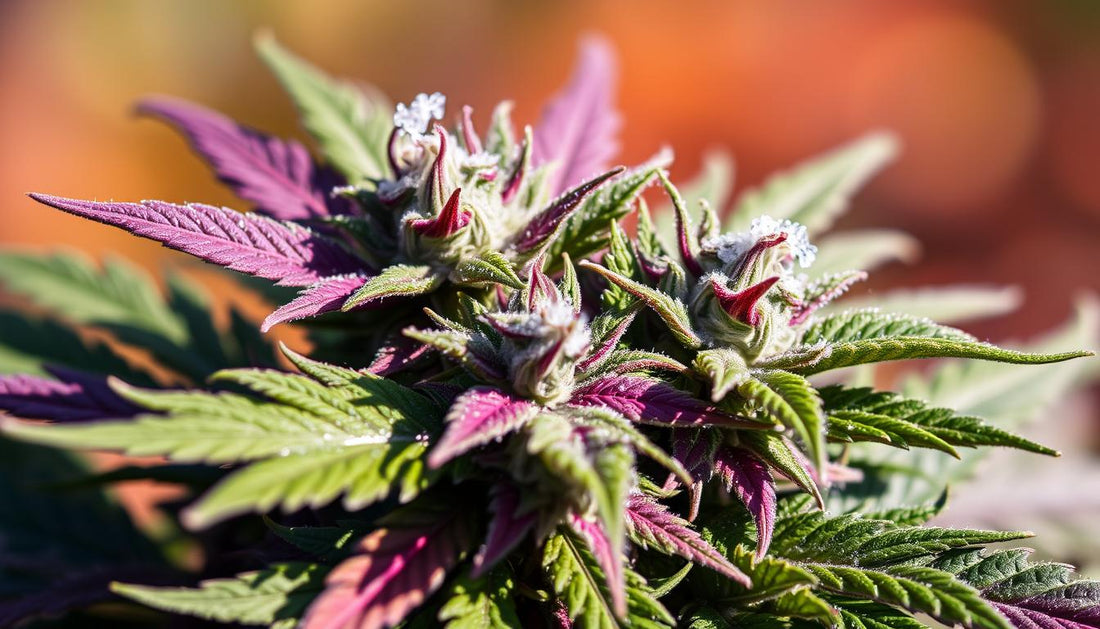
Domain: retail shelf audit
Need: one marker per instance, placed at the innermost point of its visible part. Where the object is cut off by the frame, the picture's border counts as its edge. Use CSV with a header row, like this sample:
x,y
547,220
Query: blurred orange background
x,y
996,102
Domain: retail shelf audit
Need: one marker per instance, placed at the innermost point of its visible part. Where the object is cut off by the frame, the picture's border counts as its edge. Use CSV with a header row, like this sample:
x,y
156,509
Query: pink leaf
x,y
250,243
396,354
651,402
608,344
392,572
545,224
742,305
450,219
578,127
747,477
74,396
608,554
324,296
653,524
279,176
476,418
507,528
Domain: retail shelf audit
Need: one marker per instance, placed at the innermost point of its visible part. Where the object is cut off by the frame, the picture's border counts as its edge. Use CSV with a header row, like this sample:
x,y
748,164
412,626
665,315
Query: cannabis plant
x,y
529,400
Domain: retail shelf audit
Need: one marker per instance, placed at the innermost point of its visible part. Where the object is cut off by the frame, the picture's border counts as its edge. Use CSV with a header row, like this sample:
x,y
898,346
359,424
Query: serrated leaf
x,y
393,570
670,310
747,477
508,526
915,588
279,176
782,456
725,368
546,226
327,295
577,578
1028,594
73,396
350,128
860,325
489,268
912,422
585,232
652,402
816,359
815,192
275,596
651,524
792,401
477,417
485,603
249,243
70,284
398,280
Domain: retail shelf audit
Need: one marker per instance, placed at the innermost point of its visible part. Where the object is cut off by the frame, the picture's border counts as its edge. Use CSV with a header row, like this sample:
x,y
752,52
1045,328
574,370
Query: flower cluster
x,y
515,411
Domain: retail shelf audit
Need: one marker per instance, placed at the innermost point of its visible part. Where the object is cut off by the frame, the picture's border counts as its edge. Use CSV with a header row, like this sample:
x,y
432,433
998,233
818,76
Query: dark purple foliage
x,y
73,396
250,243
279,176
609,555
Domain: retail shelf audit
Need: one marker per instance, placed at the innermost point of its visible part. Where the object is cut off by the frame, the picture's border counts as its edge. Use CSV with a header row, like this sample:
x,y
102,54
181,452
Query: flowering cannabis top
x,y
514,413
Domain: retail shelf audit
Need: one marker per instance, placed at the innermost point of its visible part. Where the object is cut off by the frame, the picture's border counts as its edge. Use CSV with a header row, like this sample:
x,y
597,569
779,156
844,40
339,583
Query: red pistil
x,y
742,305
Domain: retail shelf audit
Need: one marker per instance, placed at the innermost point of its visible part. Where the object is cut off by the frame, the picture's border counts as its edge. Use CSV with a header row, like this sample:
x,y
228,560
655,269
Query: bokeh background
x,y
997,103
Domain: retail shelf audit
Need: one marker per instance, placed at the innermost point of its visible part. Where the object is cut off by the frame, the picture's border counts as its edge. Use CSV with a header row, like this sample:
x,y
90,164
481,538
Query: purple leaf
x,y
279,176
651,402
250,243
391,573
650,523
396,354
74,396
695,450
507,528
608,555
541,229
578,126
327,295
469,135
476,418
747,477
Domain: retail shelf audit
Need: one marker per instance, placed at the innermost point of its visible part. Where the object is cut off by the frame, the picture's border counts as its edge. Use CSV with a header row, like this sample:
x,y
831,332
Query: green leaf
x,y
27,344
852,539
860,325
398,280
577,578
489,268
791,400
71,285
275,596
816,359
585,232
363,474
912,422
485,603
328,543
725,368
915,588
712,185
671,311
620,258
350,128
815,192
